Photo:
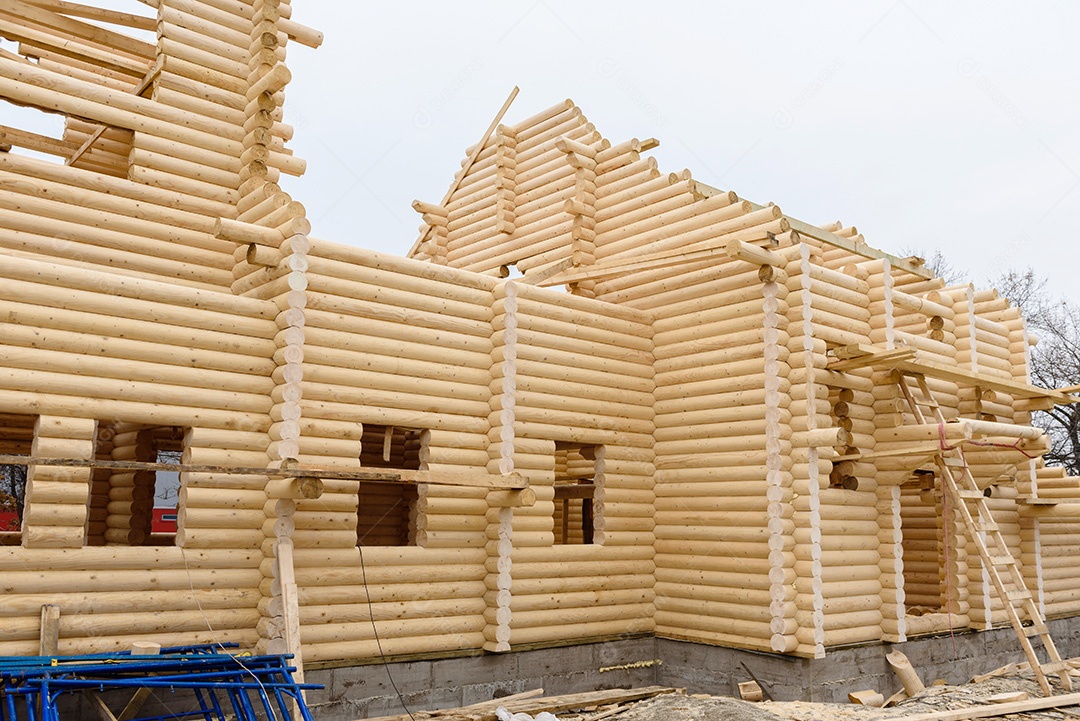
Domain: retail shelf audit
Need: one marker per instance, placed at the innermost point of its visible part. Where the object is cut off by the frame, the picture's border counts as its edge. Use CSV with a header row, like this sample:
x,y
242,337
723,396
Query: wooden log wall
x,y
179,592
116,278
579,372
161,282
724,528
88,220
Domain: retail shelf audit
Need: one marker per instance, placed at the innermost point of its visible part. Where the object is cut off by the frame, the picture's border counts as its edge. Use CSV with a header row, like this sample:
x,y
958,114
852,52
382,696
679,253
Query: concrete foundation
x,y
355,692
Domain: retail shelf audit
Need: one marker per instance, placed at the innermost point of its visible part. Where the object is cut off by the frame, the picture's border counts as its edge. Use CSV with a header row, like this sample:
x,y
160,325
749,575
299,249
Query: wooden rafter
x,y
468,164
78,10
830,238
139,89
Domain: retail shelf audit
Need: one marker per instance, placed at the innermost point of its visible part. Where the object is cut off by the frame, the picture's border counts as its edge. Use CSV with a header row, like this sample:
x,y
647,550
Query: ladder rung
x,y
1019,594
953,462
1002,560
986,526
970,495
1037,629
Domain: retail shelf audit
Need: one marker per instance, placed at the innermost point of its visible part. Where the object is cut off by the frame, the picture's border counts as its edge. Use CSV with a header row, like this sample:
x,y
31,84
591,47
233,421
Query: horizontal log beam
x,y
811,231
514,481
981,380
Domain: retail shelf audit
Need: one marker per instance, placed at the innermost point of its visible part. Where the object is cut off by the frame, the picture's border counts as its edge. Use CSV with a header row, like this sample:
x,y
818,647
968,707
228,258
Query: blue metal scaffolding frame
x,y
250,688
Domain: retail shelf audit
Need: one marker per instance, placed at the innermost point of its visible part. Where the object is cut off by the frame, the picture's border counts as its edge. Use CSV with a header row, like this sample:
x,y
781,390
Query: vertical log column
x,y
1031,556
126,503
888,414
501,452
505,181
809,471
891,549
782,607
97,512
965,330
273,266
56,497
582,208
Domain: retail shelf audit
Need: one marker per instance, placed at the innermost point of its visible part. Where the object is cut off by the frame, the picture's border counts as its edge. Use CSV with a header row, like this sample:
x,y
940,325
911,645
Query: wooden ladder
x,y
975,515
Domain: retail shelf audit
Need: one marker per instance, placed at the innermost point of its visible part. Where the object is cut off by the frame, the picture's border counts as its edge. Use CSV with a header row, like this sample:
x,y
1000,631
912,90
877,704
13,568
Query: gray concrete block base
x,y
355,692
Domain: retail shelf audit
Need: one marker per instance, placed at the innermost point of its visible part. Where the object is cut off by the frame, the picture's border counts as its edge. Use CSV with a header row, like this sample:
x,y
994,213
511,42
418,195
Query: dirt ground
x,y
677,707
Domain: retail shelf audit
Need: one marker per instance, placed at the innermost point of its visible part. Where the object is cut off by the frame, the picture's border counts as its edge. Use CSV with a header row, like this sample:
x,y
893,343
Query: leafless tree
x,y
1055,361
937,264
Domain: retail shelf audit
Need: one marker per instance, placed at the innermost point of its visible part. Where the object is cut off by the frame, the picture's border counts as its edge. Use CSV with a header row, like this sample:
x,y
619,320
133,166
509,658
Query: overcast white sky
x,y
951,126
948,126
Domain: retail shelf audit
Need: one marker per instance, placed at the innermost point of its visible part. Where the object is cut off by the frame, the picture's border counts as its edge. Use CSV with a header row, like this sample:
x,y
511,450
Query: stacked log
x,y
100,480
811,461
506,180
576,469
56,497
218,510
923,547
540,178
502,451
107,223
423,600
180,593
209,55
983,343
723,474
109,150
91,53
582,207
1051,544
180,361
435,217
831,309
130,495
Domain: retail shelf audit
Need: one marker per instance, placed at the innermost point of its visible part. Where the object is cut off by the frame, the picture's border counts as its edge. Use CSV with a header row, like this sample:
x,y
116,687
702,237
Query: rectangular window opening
x,y
575,485
386,512
136,508
16,438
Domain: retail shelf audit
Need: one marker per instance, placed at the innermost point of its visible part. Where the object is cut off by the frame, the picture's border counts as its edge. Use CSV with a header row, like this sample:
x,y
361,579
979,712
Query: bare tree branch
x,y
1055,361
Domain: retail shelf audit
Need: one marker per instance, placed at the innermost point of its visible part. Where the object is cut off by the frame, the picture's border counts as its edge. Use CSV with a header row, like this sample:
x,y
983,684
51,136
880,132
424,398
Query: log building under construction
x,y
686,417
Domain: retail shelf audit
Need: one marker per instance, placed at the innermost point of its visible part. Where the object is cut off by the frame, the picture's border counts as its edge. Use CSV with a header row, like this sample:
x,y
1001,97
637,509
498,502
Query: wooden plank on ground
x,y
524,703
998,709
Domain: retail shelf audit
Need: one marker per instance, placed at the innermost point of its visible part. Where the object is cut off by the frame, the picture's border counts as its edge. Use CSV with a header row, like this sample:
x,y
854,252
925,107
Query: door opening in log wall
x,y
575,487
386,512
928,549
135,508
16,437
